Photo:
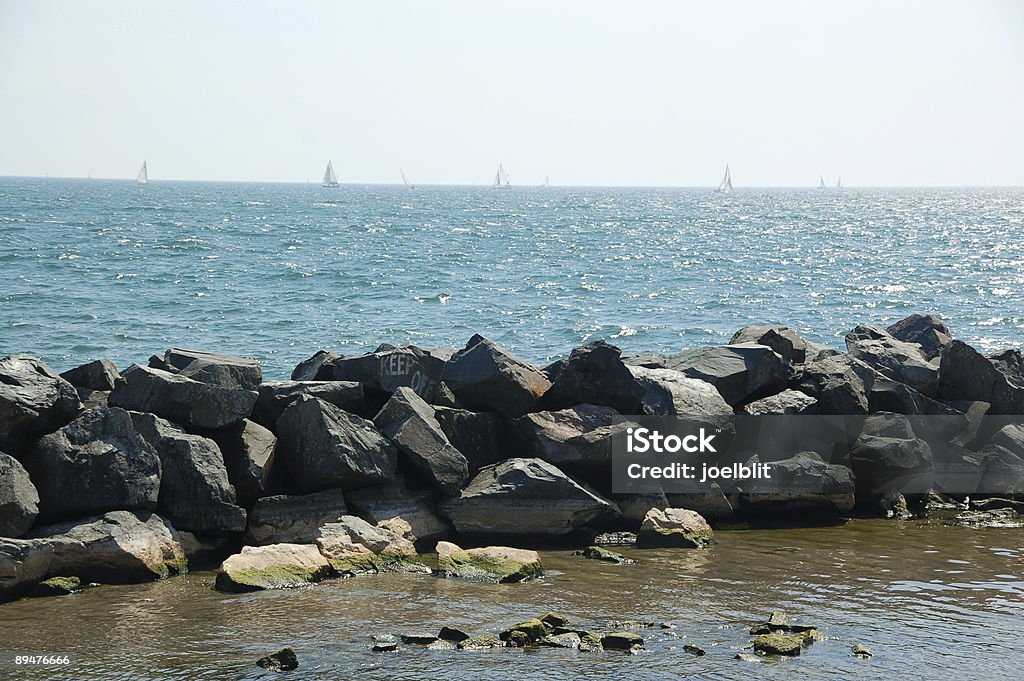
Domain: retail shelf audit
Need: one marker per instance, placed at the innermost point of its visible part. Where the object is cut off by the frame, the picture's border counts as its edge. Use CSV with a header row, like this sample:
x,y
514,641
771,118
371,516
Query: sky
x,y
631,93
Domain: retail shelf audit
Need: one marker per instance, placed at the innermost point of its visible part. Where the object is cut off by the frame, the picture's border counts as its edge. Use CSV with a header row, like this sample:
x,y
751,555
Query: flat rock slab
x,y
493,564
238,373
277,566
294,518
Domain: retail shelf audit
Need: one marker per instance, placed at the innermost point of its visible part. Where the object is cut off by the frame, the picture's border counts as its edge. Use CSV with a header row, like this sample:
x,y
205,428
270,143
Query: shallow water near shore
x,y
931,601
277,271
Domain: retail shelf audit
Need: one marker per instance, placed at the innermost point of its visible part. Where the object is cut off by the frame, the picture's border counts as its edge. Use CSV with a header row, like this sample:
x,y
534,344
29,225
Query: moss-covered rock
x,y
674,527
569,639
481,642
276,566
493,564
553,619
598,553
57,586
282,661
529,632
353,546
777,644
862,651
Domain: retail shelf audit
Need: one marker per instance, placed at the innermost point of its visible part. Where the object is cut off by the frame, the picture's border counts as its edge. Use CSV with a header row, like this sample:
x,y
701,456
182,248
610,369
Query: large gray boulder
x,y
324,447
801,484
409,422
896,359
928,331
888,456
248,449
1003,474
674,528
181,399
276,396
834,383
277,566
482,437
19,500
484,377
668,392
391,367
784,341
965,374
98,462
34,401
394,500
236,373
120,547
576,440
524,497
294,518
195,493
23,564
100,374
594,374
316,368
742,373
353,546
1010,363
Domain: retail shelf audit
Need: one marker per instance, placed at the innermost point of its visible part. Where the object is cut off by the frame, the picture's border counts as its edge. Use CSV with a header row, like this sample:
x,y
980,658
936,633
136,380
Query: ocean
x,y
102,268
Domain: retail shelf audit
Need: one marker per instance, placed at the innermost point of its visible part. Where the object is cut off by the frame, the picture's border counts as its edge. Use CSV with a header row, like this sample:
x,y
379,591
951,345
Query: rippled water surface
x,y
932,602
276,272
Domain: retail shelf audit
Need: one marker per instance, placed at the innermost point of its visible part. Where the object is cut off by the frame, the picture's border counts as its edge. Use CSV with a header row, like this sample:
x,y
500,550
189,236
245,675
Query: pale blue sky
x,y
608,93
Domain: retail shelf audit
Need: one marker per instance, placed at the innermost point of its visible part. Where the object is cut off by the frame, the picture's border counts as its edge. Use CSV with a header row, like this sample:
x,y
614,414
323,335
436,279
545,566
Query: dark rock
x,y
180,399
23,564
294,519
100,374
34,401
837,387
670,393
788,402
319,367
485,377
802,484
283,660
235,373
928,331
195,493
419,638
598,553
741,373
481,642
394,500
524,497
120,547
276,566
964,374
1004,473
391,367
384,643
900,361
576,440
894,505
888,456
594,374
56,586
98,462
19,500
490,564
569,639
778,644
1011,438
1010,363
93,398
248,450
674,527
694,650
482,437
994,504
324,447
276,396
861,650
453,634
622,640
784,341
409,422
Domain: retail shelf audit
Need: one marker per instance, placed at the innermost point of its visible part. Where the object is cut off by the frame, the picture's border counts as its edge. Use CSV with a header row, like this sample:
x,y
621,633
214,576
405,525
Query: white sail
x,y
143,176
501,178
405,180
821,182
725,187
839,182
330,178
547,181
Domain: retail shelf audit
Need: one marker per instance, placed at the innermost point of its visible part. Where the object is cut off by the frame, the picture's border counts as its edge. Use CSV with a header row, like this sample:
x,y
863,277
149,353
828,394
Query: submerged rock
x,y
524,497
34,401
384,643
276,566
778,644
494,564
453,634
861,650
19,500
484,377
481,642
622,640
282,661
56,586
181,399
674,527
598,553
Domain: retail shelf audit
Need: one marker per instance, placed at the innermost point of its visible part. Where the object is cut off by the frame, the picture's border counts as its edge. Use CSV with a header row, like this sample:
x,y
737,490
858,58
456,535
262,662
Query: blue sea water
x,y
94,268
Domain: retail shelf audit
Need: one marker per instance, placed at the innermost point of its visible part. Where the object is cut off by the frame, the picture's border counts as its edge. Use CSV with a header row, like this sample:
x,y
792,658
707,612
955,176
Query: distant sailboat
x,y
405,180
547,182
330,178
501,178
725,187
821,182
143,176
839,182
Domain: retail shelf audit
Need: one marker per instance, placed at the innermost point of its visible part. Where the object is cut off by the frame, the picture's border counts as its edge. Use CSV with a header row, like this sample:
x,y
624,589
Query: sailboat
x,y
821,182
330,178
405,180
501,178
547,182
725,187
839,182
143,176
